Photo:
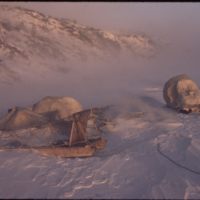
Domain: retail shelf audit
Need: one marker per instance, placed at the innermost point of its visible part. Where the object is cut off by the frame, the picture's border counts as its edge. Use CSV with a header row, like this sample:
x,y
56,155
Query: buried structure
x,y
50,131
182,94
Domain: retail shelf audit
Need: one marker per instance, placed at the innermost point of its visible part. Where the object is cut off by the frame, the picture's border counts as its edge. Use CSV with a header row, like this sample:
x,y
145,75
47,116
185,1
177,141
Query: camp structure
x,y
76,144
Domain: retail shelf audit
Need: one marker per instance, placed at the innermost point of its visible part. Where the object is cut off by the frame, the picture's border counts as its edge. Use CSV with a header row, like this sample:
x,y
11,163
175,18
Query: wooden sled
x,y
78,145
65,151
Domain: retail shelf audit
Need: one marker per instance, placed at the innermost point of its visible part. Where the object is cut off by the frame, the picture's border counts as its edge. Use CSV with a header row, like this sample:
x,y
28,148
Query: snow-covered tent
x,y
182,93
61,106
20,118
41,123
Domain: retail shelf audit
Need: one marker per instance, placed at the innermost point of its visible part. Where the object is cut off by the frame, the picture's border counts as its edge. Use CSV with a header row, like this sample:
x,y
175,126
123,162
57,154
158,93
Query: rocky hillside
x,y
31,41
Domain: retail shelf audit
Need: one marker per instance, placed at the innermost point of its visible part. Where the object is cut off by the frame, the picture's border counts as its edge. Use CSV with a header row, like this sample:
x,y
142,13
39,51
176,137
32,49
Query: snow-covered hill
x,y
31,41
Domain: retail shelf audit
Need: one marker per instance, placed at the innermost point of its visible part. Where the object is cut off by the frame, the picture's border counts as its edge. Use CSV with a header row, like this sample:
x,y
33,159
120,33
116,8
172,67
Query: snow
x,y
129,167
152,151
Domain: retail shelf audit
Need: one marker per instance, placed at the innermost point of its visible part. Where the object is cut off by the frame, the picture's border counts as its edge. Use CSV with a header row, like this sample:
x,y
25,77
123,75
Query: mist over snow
x,y
41,53
126,66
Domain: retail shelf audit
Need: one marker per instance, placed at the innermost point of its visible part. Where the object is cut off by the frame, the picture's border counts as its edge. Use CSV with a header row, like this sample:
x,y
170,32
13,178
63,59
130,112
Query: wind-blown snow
x,y
33,41
152,151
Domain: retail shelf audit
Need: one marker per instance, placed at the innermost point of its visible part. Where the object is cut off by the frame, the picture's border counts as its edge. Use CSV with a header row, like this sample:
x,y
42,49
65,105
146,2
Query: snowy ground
x,y
131,165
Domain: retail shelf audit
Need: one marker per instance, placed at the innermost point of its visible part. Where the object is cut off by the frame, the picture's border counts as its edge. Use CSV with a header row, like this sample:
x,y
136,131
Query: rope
x,y
174,162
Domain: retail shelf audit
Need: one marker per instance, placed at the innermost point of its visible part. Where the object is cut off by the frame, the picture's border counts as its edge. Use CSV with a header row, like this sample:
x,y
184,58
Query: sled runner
x,y
82,150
